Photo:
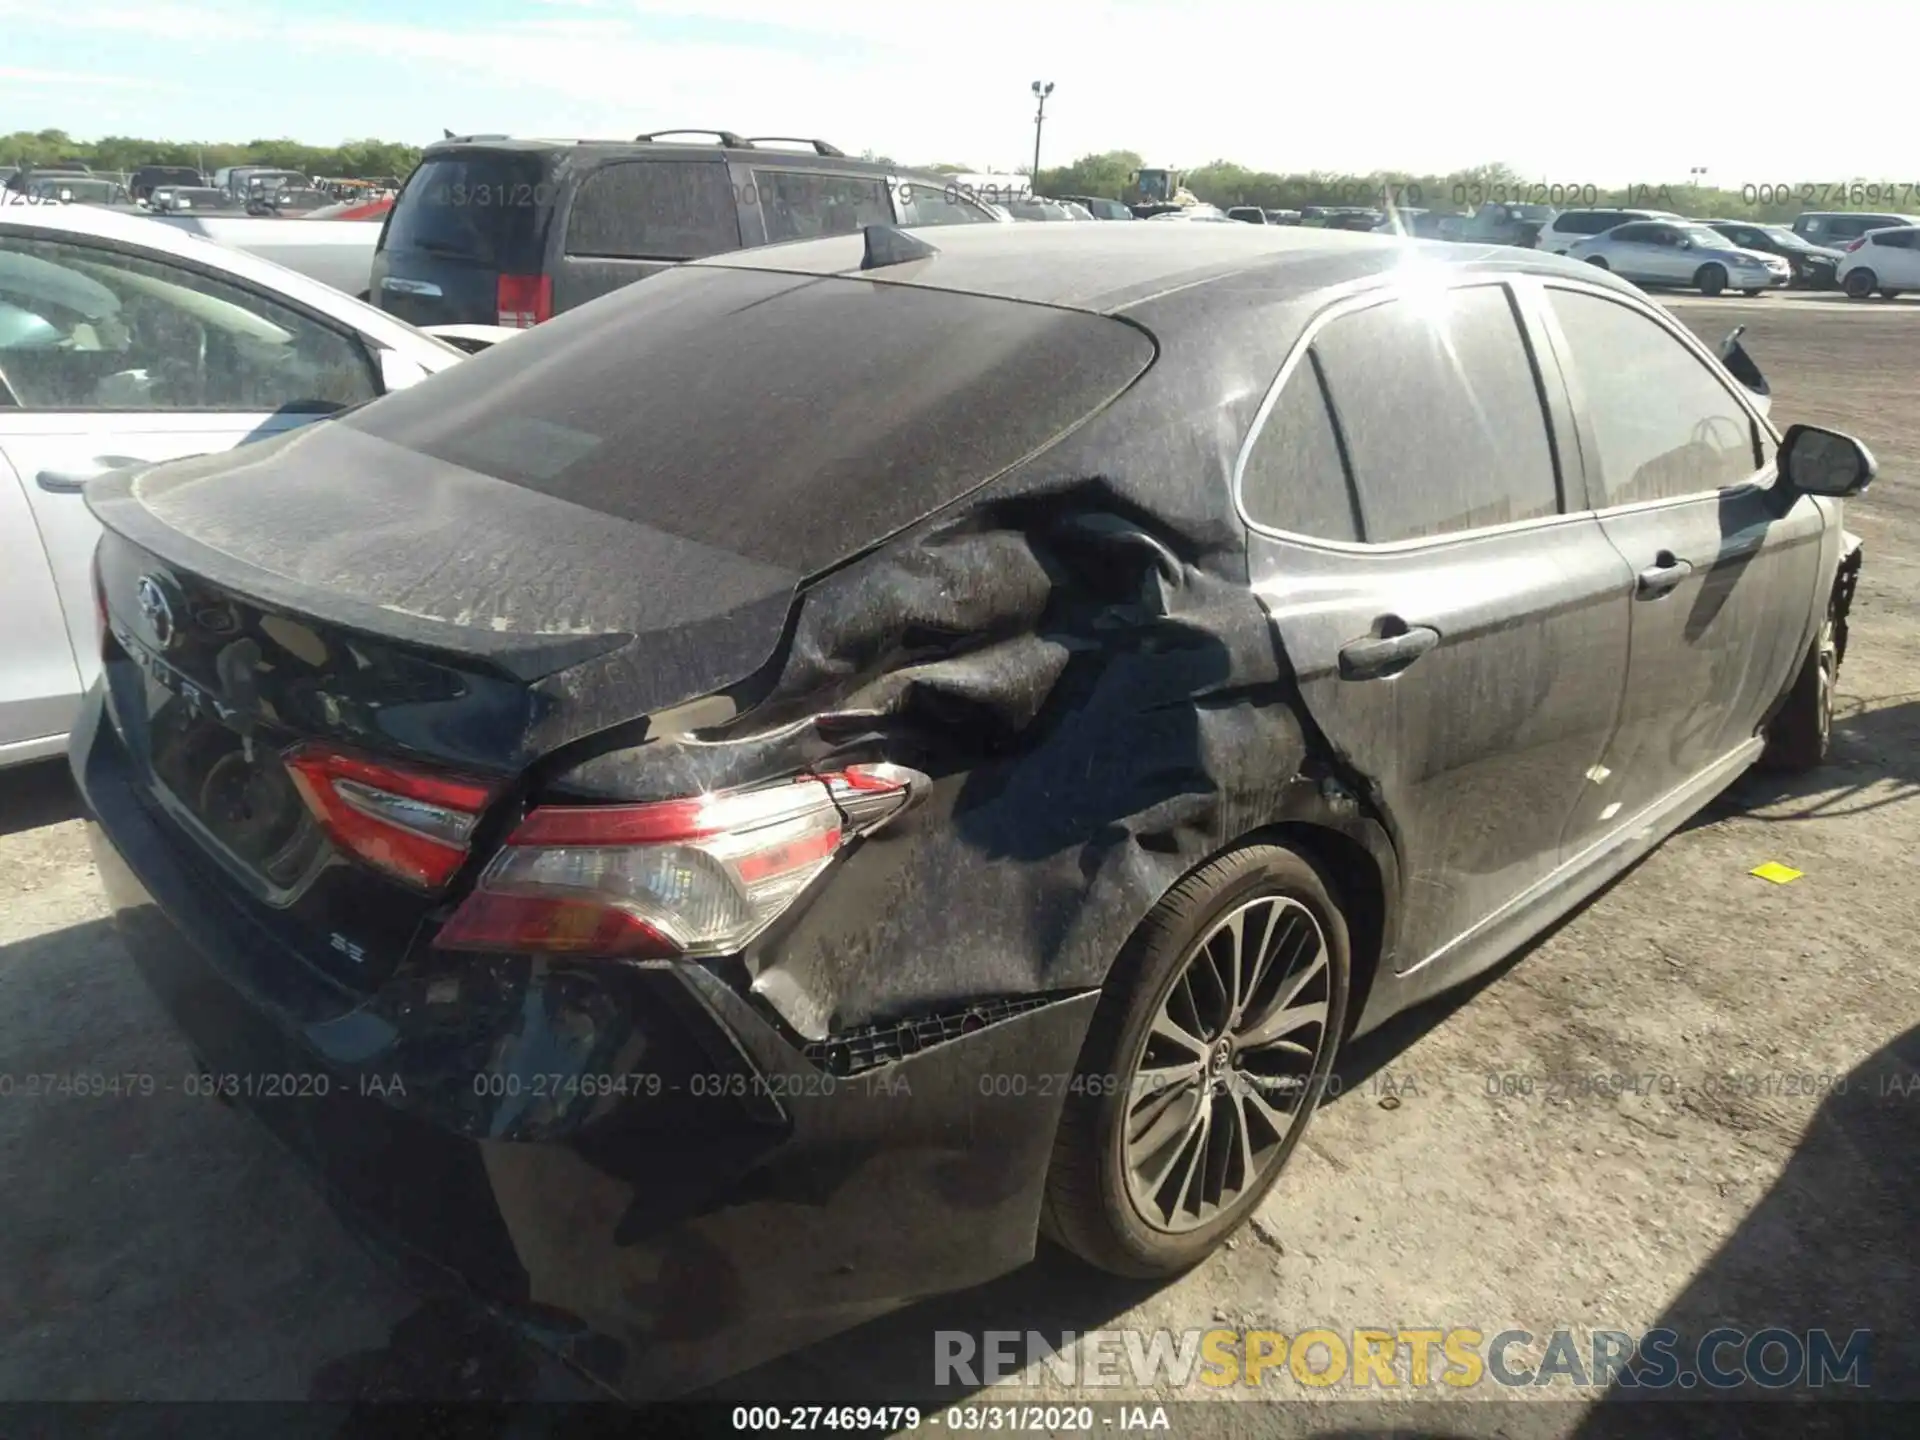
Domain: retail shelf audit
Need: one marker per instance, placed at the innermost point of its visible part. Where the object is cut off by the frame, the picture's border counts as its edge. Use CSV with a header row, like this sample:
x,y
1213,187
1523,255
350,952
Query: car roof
x,y
786,154
90,222
1107,269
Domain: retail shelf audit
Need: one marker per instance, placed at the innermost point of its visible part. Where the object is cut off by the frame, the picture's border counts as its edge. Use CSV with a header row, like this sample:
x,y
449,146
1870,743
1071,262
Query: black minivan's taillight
x,y
700,876
524,301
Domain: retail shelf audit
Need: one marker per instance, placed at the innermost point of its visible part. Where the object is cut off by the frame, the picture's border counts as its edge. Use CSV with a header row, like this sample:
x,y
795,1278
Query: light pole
x,y
1695,175
1041,90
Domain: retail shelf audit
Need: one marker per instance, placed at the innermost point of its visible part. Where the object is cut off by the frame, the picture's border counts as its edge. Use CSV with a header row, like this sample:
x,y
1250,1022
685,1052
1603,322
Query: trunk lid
x,y
427,616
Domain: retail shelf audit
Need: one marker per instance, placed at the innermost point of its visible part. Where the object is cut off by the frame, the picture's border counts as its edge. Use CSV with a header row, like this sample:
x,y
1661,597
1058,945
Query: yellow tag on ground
x,y
1776,872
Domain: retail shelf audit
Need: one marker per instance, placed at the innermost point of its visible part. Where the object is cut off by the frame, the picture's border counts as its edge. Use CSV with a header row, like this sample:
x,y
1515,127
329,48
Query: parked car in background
x,y
515,232
1102,207
1194,214
1250,214
1283,217
1568,227
1835,228
1885,262
199,199
355,209
1815,267
142,181
1682,252
1506,223
240,181
125,341
78,190
613,727
289,200
1040,208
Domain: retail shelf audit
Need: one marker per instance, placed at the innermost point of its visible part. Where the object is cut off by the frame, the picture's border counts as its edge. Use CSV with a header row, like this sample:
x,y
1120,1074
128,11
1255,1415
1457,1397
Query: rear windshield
x,y
793,420
487,207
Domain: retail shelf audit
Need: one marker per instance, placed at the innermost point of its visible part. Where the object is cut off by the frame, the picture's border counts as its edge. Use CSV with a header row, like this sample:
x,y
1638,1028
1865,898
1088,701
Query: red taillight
x,y
1856,244
523,301
700,876
413,824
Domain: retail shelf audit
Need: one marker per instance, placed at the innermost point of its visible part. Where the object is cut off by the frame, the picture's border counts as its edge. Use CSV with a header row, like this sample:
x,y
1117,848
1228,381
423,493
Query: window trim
x,y
363,345
1385,294
1763,479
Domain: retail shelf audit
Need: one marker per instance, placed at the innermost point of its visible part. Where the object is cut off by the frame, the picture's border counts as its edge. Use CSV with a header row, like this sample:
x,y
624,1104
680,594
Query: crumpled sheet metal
x,y
1098,714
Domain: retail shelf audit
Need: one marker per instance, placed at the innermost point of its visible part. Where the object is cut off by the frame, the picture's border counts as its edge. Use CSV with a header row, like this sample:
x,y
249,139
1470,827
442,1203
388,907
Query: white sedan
x,y
1684,253
124,341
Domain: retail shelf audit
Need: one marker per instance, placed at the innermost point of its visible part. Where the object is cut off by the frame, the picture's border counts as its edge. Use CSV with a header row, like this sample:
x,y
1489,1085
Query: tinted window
x,y
654,210
1899,239
1664,423
1589,222
789,419
1636,234
1441,415
115,332
485,206
923,204
803,204
1294,477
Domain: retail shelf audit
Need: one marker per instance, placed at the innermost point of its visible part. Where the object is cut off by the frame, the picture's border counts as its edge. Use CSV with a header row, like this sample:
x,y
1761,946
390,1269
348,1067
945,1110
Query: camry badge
x,y
156,611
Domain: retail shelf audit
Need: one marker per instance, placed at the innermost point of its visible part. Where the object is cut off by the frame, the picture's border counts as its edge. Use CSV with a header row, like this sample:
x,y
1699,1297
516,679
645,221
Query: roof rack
x,y
452,139
820,147
724,137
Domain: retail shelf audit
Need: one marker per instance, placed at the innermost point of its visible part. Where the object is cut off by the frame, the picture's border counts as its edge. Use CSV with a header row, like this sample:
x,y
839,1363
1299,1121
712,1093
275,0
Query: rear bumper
x,y
734,1203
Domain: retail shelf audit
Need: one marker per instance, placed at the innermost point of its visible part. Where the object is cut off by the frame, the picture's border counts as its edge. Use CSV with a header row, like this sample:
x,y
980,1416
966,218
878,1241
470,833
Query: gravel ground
x,y
163,1248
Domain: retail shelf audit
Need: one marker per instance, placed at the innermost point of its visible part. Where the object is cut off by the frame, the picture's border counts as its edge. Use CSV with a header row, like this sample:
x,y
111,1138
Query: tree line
x,y
1219,182
353,159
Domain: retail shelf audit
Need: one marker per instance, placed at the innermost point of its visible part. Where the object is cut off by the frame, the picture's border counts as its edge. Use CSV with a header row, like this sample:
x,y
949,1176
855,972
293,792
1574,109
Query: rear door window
x,y
1441,413
485,207
1664,424
654,210
1294,478
804,204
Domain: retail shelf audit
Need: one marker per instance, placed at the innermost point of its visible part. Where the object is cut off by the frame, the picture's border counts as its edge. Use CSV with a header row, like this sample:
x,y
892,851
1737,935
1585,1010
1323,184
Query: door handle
x,y
1378,656
1661,576
72,482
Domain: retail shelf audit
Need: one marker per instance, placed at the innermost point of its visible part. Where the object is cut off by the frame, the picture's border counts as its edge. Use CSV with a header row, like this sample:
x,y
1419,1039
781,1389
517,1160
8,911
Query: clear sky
x,y
1600,93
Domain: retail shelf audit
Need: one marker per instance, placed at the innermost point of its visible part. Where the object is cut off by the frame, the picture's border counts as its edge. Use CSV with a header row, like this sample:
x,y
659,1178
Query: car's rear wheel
x,y
1710,279
1889,294
1204,1062
1799,736
1860,283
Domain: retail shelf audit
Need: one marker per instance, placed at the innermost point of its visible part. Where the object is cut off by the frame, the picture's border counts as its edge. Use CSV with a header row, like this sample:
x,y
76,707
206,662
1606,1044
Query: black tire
x,y
1710,279
1889,294
1089,1208
1800,734
1598,262
1860,283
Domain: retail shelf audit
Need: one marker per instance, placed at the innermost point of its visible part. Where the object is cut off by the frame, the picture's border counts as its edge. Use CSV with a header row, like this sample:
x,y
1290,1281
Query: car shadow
x,y
1874,763
38,794
1855,1170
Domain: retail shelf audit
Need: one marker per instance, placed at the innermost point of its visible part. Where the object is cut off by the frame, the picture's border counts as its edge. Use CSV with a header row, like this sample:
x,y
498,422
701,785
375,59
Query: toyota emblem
x,y
157,612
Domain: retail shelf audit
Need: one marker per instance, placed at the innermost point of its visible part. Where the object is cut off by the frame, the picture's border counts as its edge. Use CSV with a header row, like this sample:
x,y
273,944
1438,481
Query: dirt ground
x,y
163,1249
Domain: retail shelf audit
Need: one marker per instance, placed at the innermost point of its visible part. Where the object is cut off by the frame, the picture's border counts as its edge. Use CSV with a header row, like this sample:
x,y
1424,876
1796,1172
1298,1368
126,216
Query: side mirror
x,y
1825,462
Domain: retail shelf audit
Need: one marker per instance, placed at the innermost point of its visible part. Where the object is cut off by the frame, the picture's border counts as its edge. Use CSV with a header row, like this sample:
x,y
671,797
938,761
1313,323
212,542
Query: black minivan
x,y
490,230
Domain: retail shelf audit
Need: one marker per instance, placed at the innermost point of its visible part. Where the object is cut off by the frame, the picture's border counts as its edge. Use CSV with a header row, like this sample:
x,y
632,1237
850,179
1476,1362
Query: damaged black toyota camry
x,y
751,802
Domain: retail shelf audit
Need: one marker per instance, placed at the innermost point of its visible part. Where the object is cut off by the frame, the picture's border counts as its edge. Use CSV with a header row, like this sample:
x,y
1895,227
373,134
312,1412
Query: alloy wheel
x,y
1226,1071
